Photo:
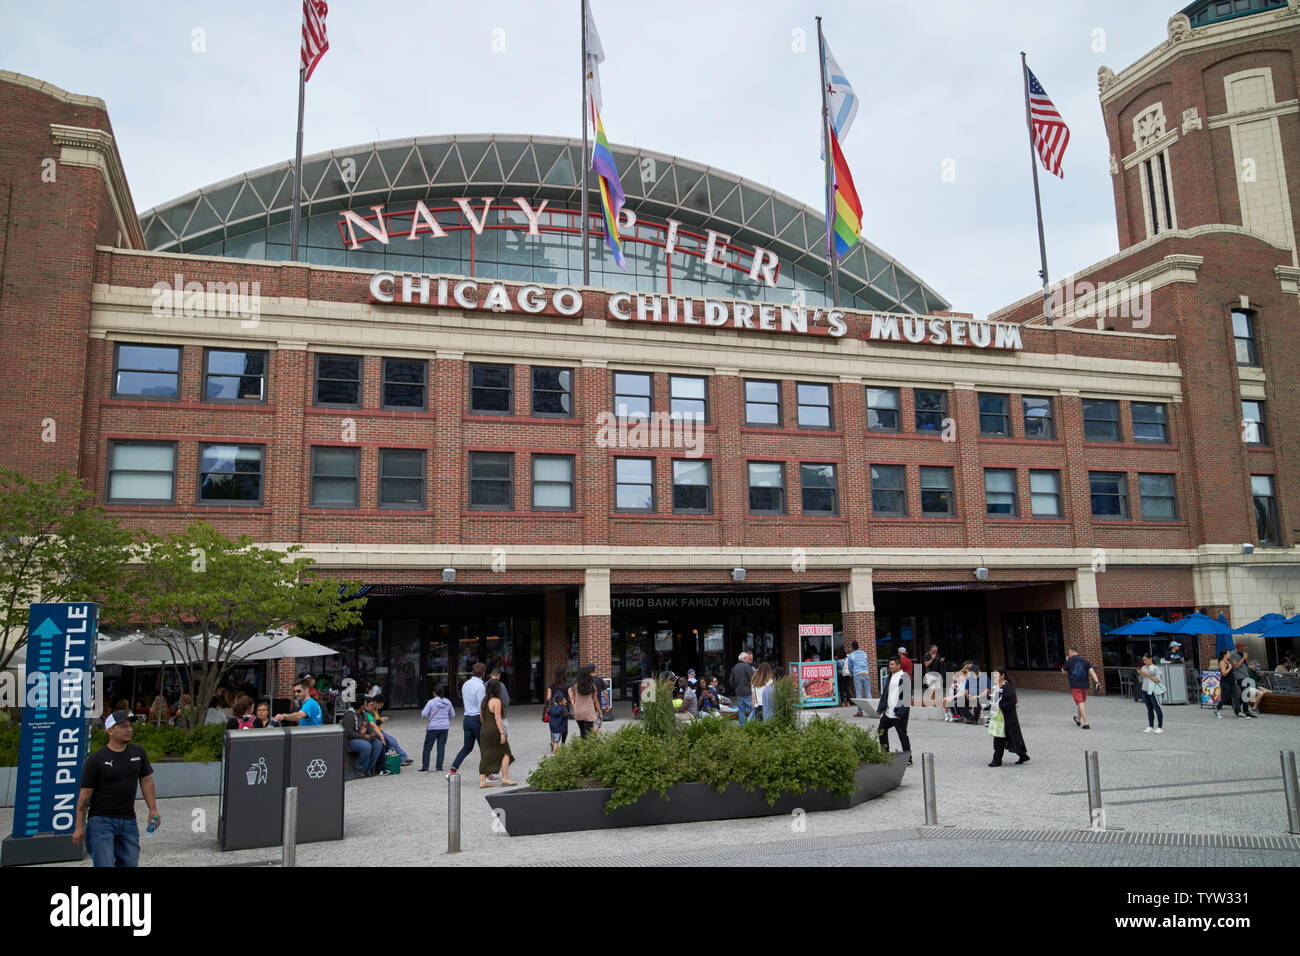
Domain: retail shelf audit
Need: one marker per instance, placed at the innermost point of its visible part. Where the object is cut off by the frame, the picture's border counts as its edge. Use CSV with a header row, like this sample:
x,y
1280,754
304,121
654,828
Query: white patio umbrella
x,y
276,645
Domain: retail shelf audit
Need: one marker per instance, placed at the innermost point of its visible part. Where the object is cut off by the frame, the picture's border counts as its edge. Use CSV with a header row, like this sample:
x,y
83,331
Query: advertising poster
x,y
816,683
1210,689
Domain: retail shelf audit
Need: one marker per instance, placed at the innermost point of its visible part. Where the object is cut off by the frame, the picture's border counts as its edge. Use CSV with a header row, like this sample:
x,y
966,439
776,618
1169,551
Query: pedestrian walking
x,y
1005,724
106,803
860,670
471,695
1152,689
558,717
1236,678
585,703
895,708
438,712
742,676
1078,671
494,746
757,685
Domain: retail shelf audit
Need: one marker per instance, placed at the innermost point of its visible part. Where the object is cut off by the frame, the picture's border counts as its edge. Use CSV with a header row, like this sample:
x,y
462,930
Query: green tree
x,y
202,595
55,547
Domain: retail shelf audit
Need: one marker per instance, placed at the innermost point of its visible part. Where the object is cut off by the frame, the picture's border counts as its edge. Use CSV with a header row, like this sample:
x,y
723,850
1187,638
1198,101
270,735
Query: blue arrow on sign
x,y
47,629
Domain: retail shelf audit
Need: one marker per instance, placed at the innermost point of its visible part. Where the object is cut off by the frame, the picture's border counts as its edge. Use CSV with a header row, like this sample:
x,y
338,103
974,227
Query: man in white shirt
x,y
898,702
471,693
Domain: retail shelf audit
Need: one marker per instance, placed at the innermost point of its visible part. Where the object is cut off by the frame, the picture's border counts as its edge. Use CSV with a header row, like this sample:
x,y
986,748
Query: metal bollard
x,y
1292,790
289,839
927,783
1096,815
453,813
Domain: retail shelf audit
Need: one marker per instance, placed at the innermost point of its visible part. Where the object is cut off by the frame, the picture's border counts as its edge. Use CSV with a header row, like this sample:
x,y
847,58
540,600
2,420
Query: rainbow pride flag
x,y
845,220
611,189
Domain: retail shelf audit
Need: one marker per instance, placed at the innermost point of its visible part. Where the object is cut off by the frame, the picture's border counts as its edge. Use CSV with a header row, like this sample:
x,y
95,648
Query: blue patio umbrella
x,y
1204,624
1284,628
1261,624
1144,626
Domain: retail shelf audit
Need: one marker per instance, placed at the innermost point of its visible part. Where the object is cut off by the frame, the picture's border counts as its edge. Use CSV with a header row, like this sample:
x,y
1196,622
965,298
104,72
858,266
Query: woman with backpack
x,y
242,717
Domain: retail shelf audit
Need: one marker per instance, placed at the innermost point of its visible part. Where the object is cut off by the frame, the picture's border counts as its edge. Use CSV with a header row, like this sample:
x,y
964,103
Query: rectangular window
x,y
492,389
1150,423
692,487
936,492
1033,641
552,392
820,490
634,484
231,474
931,409
814,405
888,491
552,482
1000,491
1254,430
335,477
1100,420
882,410
338,381
632,395
491,481
1243,337
688,397
401,478
1045,494
762,403
405,385
995,418
1039,420
766,488
143,472
234,376
1267,525
1157,497
147,371
1109,490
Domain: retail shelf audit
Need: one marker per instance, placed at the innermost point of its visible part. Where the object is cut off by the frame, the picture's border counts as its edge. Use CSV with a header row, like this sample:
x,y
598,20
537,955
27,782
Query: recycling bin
x,y
315,760
252,789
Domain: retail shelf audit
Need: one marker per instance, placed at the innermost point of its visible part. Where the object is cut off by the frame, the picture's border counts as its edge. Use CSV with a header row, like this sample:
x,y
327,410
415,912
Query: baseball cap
x,y
115,718
1174,644
690,671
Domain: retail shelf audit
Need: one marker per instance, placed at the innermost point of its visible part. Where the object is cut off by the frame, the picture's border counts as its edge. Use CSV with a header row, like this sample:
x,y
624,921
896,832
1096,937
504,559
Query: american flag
x,y
1051,135
314,41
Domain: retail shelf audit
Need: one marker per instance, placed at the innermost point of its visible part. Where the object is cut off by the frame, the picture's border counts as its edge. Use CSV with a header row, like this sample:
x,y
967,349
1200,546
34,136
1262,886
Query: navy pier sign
x,y
60,669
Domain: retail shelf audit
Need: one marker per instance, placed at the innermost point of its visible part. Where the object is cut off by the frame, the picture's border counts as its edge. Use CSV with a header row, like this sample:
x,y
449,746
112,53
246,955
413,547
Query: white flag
x,y
840,98
595,56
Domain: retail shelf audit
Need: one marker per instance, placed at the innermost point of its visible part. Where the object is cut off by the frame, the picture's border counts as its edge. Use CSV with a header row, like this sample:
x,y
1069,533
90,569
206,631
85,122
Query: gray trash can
x,y
252,789
315,758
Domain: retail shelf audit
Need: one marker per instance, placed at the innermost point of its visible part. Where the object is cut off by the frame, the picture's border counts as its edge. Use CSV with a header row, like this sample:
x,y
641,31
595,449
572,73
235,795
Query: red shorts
x,y
1080,694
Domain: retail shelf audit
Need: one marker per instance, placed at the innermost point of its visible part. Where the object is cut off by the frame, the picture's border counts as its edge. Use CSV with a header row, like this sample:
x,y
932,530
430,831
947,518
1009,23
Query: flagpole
x,y
297,168
830,178
1038,203
586,252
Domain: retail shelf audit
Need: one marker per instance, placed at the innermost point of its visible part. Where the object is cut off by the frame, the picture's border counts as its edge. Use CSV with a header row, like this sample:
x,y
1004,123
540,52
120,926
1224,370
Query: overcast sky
x,y
199,92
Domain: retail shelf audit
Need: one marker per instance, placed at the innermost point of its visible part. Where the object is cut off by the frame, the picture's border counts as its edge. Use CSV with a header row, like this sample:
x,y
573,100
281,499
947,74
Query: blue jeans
x,y
744,707
1154,713
368,753
861,687
430,736
113,841
473,727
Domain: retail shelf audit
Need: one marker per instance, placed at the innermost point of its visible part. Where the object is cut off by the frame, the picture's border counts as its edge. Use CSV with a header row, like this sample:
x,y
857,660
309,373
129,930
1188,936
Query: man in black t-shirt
x,y
106,805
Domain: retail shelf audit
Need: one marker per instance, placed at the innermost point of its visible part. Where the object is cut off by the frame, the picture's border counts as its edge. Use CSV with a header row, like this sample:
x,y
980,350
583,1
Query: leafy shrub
x,y
9,740
824,754
785,706
659,715
203,744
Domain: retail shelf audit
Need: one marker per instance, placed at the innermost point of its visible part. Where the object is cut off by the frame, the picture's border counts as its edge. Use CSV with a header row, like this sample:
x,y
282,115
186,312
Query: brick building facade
x,y
1003,503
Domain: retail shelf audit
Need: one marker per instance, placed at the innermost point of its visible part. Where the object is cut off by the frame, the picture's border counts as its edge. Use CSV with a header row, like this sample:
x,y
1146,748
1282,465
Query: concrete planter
x,y
530,813
170,779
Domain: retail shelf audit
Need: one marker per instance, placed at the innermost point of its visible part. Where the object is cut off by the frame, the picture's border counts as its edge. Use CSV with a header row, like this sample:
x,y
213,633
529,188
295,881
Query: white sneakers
x,y
1158,730
1147,730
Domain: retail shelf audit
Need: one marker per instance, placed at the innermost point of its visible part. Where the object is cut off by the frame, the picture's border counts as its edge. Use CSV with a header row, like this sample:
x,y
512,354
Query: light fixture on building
x,y
737,574
1247,548
981,574
448,575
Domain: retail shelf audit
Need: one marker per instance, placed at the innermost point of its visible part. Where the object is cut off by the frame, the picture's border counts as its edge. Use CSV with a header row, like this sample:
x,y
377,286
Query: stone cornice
x,y
1149,150
1289,278
50,90
95,149
1202,38
1247,116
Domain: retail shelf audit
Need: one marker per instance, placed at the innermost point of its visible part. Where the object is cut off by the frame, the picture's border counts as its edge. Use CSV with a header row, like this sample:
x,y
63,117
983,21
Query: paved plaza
x,y
1206,792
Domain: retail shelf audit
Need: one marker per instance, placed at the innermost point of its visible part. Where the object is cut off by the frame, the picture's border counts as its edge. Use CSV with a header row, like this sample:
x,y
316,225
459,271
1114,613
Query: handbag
x,y
845,671
546,716
998,724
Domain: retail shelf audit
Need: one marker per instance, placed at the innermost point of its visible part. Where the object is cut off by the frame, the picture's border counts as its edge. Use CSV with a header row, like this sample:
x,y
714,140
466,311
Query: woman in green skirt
x,y
494,749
